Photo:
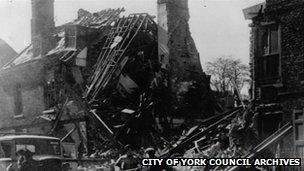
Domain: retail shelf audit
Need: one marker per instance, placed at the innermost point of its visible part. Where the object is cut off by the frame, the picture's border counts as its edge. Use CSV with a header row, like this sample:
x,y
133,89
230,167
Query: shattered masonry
x,y
106,80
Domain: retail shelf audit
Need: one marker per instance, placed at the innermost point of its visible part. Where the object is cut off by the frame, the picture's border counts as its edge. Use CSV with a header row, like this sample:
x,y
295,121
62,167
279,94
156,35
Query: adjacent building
x,y
37,85
277,70
103,77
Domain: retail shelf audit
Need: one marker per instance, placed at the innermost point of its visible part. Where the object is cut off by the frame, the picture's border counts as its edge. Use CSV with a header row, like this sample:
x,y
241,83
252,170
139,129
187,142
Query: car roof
x,y
13,137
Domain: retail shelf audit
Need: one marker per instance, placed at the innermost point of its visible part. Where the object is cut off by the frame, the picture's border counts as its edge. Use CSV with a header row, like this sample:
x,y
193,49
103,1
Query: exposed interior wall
x,y
29,95
32,106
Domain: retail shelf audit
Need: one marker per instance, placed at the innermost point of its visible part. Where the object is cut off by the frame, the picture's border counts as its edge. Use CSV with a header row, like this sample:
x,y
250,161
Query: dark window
x,y
300,69
299,131
268,94
274,40
271,66
269,63
5,149
18,100
70,36
265,42
269,123
51,94
270,40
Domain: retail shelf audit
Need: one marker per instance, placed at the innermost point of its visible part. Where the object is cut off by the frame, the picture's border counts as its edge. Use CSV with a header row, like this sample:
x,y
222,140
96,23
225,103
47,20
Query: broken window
x,y
270,40
270,66
70,36
50,91
5,149
298,126
18,101
270,60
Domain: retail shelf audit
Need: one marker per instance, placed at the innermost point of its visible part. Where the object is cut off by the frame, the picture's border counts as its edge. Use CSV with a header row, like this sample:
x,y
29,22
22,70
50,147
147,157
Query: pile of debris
x,y
124,66
117,90
228,135
105,87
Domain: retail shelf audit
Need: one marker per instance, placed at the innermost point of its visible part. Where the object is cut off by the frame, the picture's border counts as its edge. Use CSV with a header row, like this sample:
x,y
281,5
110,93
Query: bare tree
x,y
228,73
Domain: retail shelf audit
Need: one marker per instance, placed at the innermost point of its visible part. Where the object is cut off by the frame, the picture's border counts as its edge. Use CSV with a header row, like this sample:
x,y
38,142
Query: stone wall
x,y
290,93
291,33
31,96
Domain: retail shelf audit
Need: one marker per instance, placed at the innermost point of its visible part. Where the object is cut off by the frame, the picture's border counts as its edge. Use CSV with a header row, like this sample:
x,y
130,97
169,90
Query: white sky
x,y
218,26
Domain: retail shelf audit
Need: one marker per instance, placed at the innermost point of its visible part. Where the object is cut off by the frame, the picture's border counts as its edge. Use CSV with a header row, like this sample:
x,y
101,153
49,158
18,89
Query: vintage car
x,y
46,151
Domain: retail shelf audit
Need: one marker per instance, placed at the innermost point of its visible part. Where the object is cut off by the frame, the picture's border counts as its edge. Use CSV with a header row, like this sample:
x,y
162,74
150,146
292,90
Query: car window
x,y
5,149
39,146
31,148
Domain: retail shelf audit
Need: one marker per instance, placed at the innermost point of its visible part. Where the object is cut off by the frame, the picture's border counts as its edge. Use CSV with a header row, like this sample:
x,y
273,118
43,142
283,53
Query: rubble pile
x,y
115,89
223,136
114,81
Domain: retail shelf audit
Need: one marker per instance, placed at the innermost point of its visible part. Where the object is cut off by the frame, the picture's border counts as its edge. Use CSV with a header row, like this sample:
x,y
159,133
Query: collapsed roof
x,y
98,20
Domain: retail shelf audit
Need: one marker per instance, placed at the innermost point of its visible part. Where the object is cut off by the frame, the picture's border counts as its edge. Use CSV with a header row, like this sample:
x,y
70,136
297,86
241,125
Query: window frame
x,y
11,148
68,36
18,101
266,26
51,90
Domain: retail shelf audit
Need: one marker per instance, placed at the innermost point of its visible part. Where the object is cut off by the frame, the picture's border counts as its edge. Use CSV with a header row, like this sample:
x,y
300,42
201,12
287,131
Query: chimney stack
x,y
188,85
42,25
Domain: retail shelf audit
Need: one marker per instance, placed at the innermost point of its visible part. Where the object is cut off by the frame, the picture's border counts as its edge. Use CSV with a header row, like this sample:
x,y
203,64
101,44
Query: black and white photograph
x,y
151,85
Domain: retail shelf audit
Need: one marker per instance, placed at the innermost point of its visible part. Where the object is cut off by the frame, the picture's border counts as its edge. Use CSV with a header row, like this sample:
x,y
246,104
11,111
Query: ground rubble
x,y
231,136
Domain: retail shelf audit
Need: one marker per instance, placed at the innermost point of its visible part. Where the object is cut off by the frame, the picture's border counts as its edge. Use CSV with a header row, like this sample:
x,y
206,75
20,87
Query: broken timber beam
x,y
207,122
266,143
58,117
68,134
84,105
180,147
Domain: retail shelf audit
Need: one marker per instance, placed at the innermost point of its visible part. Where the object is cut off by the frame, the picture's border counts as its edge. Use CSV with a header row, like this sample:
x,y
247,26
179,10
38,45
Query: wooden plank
x,y
190,140
266,143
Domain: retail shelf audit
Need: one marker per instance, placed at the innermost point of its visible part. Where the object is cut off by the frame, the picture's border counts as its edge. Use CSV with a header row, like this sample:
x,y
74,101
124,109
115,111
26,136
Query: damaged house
x,y
44,88
276,59
105,80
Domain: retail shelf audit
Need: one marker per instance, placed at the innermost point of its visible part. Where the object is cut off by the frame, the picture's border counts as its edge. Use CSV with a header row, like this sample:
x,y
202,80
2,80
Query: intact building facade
x,y
277,70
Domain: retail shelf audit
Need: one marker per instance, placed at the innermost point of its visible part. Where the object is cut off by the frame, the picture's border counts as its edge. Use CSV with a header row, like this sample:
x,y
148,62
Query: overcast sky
x,y
218,26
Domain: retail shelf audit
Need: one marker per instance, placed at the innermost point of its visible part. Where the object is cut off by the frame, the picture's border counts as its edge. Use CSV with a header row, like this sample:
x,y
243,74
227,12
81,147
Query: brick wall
x,y
42,26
